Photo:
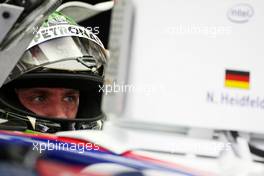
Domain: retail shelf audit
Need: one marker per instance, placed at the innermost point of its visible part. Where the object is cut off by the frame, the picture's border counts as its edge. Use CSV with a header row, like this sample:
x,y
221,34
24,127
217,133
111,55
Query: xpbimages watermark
x,y
75,147
196,29
146,89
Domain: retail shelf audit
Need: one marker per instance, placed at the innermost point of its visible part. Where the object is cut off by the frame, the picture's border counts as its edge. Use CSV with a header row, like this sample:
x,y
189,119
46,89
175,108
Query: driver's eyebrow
x,y
71,92
34,91
47,91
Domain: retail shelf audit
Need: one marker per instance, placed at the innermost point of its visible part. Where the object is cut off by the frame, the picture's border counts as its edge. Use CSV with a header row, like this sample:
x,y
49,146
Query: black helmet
x,y
62,54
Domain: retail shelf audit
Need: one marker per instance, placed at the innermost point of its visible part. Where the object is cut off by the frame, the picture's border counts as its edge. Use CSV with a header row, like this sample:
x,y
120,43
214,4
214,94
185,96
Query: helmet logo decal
x,y
58,19
48,33
32,121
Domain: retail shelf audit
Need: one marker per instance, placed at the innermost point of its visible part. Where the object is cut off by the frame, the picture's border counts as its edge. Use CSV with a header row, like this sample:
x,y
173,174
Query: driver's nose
x,y
57,110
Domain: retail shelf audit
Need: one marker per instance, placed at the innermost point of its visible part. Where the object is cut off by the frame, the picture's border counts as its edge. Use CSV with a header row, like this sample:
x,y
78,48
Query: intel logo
x,y
240,13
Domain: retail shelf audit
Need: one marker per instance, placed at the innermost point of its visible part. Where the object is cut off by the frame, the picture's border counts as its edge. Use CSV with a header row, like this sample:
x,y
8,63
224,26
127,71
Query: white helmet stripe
x,y
48,33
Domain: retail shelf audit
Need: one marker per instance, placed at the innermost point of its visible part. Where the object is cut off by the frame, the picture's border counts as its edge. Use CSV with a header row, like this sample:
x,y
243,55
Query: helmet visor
x,y
70,53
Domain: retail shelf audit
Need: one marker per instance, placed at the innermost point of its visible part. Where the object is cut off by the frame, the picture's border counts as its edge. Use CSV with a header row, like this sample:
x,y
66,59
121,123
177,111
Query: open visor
x,y
68,53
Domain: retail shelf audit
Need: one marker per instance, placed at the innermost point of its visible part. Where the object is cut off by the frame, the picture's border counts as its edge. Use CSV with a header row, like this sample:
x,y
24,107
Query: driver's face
x,y
51,102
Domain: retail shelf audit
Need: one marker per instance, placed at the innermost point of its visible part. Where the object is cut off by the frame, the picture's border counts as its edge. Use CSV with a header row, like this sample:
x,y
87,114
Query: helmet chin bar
x,y
53,125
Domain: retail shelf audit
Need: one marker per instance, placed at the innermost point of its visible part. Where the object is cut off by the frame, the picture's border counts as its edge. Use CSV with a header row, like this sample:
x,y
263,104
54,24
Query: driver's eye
x,y
70,98
38,99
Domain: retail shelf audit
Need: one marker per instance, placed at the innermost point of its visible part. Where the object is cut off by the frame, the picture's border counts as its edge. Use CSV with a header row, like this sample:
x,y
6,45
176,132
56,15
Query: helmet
x,y
62,54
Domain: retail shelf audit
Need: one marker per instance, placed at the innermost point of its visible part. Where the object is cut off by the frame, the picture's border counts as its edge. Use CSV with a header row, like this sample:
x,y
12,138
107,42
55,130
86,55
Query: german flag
x,y
237,79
